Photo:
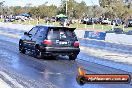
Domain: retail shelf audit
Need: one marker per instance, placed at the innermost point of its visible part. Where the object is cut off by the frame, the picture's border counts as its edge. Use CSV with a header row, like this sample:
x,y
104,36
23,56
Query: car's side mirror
x,y
25,33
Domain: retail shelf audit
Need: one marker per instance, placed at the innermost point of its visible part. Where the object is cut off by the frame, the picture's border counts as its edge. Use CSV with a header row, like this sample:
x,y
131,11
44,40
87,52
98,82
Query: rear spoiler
x,y
64,28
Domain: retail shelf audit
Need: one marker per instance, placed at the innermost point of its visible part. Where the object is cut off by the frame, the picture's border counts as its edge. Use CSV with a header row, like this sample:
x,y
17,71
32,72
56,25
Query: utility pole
x,y
93,8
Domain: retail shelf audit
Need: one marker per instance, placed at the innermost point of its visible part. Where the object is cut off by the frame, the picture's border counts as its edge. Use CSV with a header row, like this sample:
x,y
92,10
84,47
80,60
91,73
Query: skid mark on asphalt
x,y
11,80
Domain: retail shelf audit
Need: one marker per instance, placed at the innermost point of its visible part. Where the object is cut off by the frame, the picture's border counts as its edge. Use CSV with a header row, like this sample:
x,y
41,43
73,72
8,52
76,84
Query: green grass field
x,y
78,26
0,20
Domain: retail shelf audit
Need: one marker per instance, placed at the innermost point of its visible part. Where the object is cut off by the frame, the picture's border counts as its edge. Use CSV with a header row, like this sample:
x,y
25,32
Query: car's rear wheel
x,y
73,57
21,48
38,53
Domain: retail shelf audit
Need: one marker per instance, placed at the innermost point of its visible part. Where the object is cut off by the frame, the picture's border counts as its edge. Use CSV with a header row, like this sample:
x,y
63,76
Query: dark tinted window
x,y
58,34
41,33
33,30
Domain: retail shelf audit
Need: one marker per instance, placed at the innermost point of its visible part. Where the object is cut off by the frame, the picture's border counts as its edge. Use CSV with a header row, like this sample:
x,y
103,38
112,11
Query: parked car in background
x,y
53,19
106,21
65,21
60,18
6,20
95,20
9,19
116,30
50,41
50,19
47,19
129,23
84,20
100,20
87,21
117,22
20,17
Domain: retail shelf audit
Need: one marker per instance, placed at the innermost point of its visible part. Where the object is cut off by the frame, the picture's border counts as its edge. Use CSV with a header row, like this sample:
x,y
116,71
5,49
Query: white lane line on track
x,y
13,81
3,84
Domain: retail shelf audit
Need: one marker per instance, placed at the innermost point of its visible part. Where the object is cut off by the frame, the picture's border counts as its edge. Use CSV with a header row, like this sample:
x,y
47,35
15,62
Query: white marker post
x,y
47,22
123,27
102,27
93,25
25,21
29,22
37,21
85,25
53,23
113,25
77,24
3,20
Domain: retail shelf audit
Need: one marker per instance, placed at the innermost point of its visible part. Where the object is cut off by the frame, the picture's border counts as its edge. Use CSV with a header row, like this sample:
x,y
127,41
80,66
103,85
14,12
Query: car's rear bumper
x,y
60,50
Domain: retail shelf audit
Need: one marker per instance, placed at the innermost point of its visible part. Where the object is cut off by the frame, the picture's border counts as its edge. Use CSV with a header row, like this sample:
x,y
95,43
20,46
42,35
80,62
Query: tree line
x,y
107,8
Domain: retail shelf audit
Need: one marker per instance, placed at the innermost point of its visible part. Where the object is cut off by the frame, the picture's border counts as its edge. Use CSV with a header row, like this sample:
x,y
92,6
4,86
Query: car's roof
x,y
51,26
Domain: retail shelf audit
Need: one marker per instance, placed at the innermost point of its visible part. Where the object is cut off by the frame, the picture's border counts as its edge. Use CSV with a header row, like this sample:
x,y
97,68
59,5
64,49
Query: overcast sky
x,y
39,2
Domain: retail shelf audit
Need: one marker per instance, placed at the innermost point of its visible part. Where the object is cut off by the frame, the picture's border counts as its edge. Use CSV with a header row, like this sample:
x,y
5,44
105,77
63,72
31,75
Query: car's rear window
x,y
58,34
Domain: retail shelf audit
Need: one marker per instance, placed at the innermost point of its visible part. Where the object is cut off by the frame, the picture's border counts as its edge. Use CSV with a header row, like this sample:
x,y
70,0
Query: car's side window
x,y
33,31
41,33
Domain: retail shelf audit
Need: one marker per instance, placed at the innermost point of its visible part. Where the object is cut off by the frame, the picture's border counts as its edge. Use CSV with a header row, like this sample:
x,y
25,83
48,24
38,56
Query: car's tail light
x,y
76,43
47,42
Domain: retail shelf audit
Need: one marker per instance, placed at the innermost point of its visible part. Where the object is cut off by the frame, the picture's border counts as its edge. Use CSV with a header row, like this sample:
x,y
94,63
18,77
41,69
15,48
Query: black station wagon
x,y
50,41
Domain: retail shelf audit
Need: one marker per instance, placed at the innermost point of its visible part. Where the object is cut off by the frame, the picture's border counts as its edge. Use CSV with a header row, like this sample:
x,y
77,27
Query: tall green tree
x,y
35,12
1,7
115,8
81,9
17,10
43,11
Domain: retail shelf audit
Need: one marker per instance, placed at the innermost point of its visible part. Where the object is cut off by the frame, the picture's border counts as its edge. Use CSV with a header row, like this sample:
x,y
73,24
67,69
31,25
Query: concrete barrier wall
x,y
80,33
119,38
